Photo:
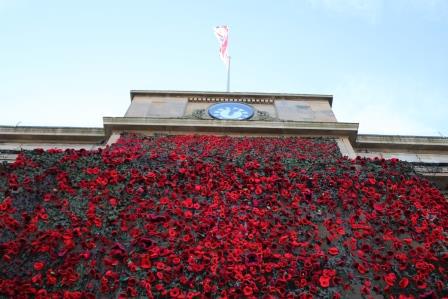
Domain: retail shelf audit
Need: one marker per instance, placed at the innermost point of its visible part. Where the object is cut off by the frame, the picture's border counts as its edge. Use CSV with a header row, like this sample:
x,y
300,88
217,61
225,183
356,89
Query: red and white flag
x,y
222,33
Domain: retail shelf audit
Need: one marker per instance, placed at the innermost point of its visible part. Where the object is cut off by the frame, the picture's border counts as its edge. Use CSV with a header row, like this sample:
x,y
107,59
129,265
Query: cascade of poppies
x,y
223,217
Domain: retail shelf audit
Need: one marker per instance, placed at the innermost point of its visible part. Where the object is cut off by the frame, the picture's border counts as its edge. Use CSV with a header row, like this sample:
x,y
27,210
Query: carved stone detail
x,y
259,115
200,114
263,115
250,100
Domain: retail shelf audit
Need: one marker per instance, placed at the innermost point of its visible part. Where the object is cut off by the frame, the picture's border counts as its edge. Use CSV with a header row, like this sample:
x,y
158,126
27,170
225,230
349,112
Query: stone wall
x,y
277,106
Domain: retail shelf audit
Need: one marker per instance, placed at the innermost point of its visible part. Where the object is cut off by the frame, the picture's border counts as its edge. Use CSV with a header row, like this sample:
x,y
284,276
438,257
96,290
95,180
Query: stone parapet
x,y
30,134
401,142
213,96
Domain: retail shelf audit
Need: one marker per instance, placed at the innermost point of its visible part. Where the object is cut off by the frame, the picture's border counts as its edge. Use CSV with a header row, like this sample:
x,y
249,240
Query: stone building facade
x,y
272,114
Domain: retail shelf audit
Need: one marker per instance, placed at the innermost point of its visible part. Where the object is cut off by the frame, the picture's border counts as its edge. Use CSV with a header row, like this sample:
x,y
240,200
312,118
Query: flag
x,y
222,33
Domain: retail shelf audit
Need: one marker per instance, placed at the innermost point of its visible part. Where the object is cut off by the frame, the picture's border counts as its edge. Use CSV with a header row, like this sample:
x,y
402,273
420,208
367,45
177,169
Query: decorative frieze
x,y
214,99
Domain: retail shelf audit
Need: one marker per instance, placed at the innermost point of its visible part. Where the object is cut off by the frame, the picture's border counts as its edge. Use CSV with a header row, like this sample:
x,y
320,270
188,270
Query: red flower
x,y
37,279
188,214
174,292
113,201
38,266
324,281
361,269
248,291
145,262
378,207
72,295
329,272
172,232
403,282
160,266
333,251
390,279
51,278
188,203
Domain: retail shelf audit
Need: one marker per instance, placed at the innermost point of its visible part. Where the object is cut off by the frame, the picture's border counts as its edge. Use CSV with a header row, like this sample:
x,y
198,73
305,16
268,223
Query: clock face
x,y
231,111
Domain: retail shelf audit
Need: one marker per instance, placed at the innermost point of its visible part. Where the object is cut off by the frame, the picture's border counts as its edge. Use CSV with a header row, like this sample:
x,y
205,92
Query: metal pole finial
x,y
228,76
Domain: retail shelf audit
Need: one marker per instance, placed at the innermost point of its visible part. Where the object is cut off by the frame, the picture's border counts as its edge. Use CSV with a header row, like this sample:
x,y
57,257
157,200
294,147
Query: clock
x,y
231,111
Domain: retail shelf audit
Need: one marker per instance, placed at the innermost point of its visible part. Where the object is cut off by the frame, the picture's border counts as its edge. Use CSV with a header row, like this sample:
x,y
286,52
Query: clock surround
x,y
231,111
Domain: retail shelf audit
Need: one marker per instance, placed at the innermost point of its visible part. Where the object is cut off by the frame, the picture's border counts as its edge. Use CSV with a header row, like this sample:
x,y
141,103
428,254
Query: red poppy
x,y
38,266
51,278
390,279
160,266
145,262
175,292
188,214
403,282
361,269
324,281
113,201
333,251
37,279
329,272
248,291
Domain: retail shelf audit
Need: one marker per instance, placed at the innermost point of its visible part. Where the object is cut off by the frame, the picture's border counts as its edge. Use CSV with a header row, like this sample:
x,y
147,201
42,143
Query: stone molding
x,y
28,134
248,100
365,141
245,97
432,169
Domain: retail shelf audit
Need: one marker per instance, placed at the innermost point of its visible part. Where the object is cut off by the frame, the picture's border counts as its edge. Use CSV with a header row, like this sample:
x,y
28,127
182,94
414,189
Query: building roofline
x,y
51,134
285,96
401,142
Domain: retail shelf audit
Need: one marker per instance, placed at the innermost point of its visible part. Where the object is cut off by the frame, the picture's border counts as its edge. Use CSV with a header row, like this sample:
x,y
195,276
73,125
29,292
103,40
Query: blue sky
x,y
69,63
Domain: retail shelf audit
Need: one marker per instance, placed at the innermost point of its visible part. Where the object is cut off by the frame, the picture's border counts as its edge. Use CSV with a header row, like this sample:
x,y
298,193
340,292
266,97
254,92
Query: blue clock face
x,y
231,111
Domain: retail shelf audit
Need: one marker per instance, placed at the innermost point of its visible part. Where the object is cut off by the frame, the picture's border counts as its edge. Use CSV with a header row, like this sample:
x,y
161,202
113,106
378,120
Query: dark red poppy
x,y
361,269
333,251
175,292
390,279
145,262
38,266
404,282
248,291
324,281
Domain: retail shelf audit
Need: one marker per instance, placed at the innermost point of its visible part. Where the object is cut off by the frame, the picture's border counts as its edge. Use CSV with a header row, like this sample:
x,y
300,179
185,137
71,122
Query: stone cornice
x,y
115,124
249,97
365,141
51,134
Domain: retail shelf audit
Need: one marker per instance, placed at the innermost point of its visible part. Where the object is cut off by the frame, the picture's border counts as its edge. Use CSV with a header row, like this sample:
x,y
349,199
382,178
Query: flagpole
x,y
228,76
